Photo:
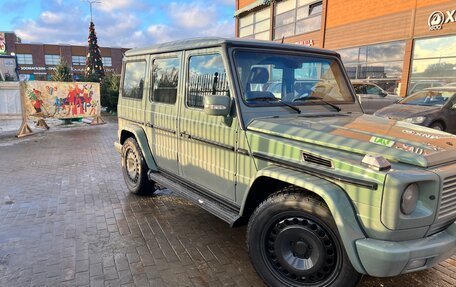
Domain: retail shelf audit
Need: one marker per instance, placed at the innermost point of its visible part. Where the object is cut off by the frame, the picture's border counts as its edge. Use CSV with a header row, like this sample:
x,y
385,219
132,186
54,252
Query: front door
x,y
207,143
162,108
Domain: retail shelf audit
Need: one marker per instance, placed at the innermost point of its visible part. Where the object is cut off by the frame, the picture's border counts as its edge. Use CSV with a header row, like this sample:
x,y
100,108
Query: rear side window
x,y
207,76
133,84
165,77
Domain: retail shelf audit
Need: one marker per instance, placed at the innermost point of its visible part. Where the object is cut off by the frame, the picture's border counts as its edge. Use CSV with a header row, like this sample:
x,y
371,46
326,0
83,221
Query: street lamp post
x,y
91,2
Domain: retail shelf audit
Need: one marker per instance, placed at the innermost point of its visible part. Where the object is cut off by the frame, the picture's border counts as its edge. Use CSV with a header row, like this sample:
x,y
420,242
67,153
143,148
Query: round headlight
x,y
409,198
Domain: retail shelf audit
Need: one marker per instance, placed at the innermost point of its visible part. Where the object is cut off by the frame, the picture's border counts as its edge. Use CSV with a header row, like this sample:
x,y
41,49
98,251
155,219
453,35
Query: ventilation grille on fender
x,y
316,159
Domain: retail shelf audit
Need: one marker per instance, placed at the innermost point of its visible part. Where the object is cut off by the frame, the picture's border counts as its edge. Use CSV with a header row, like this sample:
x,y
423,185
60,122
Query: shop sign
x,y
308,43
32,68
438,18
35,68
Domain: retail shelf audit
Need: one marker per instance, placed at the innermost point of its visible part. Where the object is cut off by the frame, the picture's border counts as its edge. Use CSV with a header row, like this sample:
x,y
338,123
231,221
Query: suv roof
x,y
198,43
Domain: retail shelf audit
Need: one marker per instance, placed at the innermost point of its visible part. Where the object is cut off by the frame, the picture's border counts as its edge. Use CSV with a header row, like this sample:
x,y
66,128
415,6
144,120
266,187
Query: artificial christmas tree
x,y
94,66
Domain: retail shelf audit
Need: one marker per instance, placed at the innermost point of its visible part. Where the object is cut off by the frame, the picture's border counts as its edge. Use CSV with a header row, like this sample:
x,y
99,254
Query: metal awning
x,y
252,6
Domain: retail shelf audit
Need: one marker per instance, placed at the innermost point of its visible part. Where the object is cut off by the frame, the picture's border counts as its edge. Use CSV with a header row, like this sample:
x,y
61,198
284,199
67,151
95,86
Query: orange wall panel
x,y
343,12
423,3
243,3
381,29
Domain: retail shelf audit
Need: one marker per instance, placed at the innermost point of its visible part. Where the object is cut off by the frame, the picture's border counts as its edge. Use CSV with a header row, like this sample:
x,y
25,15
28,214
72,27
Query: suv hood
x,y
400,111
364,134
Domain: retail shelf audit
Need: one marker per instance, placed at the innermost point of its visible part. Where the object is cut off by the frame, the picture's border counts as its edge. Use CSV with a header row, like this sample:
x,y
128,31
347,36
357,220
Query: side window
x,y
360,89
165,76
133,83
207,76
373,90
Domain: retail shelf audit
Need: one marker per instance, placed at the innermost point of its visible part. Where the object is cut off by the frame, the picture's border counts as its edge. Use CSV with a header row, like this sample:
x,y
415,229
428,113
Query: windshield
x,y
294,79
428,98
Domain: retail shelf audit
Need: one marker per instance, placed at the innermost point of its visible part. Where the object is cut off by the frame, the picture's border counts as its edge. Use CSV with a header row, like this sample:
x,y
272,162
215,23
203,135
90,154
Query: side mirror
x,y
383,94
215,105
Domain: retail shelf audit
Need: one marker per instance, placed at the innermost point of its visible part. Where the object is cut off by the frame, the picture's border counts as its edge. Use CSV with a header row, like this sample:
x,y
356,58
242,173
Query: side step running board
x,y
210,205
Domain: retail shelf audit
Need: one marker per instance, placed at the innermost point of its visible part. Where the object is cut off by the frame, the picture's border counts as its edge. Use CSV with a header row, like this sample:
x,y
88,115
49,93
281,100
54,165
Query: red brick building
x,y
402,45
36,61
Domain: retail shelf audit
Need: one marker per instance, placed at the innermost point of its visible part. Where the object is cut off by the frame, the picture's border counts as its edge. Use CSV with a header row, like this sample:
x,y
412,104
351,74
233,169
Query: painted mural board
x,y
2,44
61,100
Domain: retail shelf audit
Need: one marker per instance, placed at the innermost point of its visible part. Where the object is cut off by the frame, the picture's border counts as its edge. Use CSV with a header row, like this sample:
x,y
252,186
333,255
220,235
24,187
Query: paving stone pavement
x,y
66,219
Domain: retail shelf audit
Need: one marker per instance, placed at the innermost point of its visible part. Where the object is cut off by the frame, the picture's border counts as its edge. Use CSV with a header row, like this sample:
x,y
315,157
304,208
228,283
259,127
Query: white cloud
x,y
112,5
162,33
52,18
125,23
193,14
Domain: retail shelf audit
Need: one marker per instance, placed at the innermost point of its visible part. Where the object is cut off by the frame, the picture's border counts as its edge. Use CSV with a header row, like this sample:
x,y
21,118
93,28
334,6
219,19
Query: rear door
x,y
207,143
162,108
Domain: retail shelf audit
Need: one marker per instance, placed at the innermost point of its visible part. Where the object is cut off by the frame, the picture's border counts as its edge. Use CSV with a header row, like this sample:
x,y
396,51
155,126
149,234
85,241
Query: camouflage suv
x,y
271,135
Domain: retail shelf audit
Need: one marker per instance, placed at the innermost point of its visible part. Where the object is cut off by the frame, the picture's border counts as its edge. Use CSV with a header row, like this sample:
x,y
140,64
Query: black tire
x,y
134,169
293,241
437,126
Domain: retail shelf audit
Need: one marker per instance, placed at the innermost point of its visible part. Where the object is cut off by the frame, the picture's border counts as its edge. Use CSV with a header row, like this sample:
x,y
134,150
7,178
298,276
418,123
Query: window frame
x,y
52,57
187,76
123,78
296,20
255,22
24,57
104,62
151,88
78,63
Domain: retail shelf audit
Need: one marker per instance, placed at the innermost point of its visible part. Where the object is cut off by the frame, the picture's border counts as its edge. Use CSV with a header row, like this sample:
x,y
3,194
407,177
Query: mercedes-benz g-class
x,y
271,135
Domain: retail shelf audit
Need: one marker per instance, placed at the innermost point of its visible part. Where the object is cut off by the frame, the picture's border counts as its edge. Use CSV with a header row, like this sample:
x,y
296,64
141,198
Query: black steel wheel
x,y
293,241
134,168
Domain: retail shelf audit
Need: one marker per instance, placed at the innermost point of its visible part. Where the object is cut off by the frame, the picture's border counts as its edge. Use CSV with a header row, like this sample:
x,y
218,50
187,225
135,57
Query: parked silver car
x,y
372,97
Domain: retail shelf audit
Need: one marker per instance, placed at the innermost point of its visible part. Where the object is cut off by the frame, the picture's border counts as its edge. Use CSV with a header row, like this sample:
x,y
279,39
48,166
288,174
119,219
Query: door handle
x,y
185,135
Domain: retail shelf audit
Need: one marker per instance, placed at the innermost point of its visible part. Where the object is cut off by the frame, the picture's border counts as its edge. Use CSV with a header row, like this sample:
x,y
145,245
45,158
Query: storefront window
x,y
433,63
78,60
255,25
380,64
51,59
297,17
107,61
24,59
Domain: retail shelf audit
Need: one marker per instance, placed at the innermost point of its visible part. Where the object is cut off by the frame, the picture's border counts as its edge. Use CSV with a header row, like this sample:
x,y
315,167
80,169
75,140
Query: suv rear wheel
x,y
293,241
134,168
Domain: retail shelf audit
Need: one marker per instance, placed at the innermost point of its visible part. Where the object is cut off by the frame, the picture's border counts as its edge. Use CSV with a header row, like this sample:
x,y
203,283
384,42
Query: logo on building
x,y
308,43
438,18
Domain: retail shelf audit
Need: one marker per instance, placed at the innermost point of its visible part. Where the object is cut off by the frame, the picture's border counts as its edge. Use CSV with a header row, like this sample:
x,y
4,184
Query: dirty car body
x,y
328,192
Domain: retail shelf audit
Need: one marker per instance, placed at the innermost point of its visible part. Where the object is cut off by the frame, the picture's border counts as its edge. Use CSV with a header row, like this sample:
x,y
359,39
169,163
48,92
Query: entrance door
x,y
161,110
207,143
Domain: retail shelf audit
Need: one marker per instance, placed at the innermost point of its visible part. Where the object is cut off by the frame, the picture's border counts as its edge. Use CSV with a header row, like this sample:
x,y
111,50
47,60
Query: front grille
x,y
448,201
447,210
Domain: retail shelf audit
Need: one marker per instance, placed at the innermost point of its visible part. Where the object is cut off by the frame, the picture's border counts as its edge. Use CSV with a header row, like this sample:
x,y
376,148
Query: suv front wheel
x,y
134,168
293,241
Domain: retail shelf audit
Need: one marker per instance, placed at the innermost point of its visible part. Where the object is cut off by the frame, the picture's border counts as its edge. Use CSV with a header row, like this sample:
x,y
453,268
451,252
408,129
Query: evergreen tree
x,y
62,72
94,66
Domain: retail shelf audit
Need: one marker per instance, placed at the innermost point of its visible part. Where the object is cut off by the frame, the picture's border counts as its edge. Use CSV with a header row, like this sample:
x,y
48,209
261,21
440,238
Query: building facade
x,y
403,46
37,61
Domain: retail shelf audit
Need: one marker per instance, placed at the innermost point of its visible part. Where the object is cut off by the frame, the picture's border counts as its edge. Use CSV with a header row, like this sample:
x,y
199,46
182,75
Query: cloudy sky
x,y
118,23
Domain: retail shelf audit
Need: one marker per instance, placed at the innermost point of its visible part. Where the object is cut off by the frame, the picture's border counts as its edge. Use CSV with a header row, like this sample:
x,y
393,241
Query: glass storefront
x,y
255,25
294,17
380,64
433,63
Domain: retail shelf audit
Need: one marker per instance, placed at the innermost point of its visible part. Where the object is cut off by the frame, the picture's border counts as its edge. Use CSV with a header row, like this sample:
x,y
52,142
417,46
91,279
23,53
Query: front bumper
x,y
387,258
